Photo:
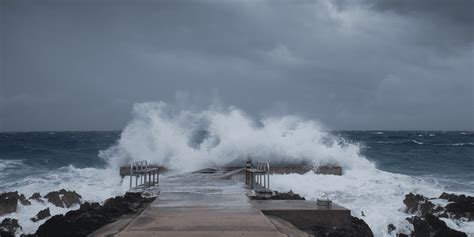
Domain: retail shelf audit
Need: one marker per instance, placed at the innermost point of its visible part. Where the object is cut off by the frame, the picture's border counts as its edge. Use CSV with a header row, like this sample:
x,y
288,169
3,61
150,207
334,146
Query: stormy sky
x,y
354,64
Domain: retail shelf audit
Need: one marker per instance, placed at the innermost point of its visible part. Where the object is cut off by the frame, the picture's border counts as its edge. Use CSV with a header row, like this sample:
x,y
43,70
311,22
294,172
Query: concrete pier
x,y
200,205
205,204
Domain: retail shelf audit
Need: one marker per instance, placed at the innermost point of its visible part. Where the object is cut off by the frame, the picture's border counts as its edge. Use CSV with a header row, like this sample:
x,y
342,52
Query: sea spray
x,y
186,140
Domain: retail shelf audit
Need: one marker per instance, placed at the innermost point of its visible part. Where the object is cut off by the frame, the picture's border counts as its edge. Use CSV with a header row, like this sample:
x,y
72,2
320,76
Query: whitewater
x,y
187,140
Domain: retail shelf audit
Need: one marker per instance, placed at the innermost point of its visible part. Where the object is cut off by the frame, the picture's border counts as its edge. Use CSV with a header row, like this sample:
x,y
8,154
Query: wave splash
x,y
186,140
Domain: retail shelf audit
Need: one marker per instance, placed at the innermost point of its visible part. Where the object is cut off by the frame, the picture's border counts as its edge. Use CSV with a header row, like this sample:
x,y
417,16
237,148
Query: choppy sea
x,y
380,167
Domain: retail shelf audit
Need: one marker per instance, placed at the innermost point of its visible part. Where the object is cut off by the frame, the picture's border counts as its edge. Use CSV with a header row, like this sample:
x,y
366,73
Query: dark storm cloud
x,y
81,64
456,11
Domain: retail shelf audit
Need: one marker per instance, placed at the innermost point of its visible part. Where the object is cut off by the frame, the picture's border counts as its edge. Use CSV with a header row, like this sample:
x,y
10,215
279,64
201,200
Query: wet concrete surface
x,y
200,205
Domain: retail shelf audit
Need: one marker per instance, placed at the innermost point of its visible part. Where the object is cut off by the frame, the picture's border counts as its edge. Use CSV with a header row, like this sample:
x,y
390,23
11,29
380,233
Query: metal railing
x,y
144,176
258,177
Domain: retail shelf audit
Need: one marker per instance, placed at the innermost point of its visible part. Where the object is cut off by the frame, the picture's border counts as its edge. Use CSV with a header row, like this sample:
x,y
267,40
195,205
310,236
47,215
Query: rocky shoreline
x,y
426,219
76,223
91,216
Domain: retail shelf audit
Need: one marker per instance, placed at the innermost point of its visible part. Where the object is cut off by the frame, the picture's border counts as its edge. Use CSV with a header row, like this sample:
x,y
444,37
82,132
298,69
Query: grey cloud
x,y
80,64
457,11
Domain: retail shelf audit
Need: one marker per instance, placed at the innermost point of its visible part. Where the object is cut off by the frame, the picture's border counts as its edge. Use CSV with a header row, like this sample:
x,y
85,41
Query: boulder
x,y
70,198
63,198
8,227
91,216
430,225
55,199
391,228
23,200
358,228
37,197
418,204
460,206
41,215
8,202
412,202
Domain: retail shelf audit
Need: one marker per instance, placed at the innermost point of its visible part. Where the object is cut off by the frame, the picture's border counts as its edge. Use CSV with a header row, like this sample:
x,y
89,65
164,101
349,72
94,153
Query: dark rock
x,y
55,199
391,228
460,206
430,225
420,205
63,198
23,200
8,202
329,169
279,196
287,196
8,227
412,202
35,196
91,216
358,228
41,215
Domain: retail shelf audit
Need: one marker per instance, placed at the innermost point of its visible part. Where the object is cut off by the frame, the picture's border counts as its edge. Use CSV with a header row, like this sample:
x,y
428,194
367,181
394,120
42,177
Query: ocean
x,y
380,167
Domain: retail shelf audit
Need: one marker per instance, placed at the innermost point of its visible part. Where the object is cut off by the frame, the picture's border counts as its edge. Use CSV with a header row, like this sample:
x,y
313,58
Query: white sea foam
x,y
378,194
94,185
24,213
417,142
5,164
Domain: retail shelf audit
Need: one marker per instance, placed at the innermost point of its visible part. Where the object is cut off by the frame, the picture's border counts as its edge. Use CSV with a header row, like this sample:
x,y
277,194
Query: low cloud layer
x,y
81,65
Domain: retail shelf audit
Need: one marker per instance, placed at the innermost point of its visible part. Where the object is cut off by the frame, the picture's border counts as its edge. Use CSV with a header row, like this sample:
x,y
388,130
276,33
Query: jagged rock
x,y
41,215
55,199
287,196
461,206
63,198
358,228
418,204
23,200
8,202
391,228
279,196
8,227
91,216
430,225
412,202
35,196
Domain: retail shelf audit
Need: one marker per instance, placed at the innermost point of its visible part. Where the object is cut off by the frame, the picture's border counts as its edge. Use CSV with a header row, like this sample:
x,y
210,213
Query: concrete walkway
x,y
200,205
